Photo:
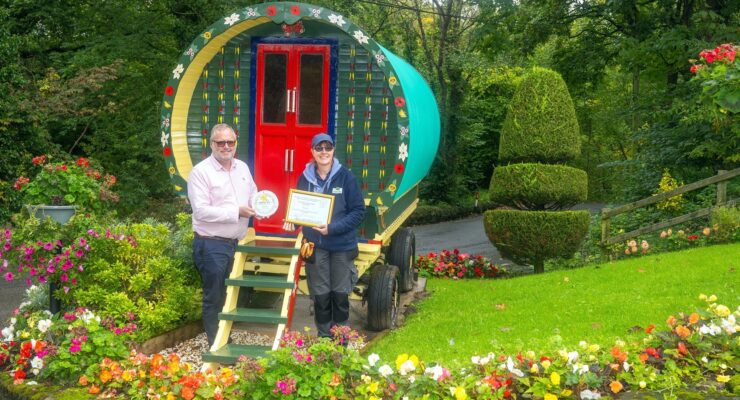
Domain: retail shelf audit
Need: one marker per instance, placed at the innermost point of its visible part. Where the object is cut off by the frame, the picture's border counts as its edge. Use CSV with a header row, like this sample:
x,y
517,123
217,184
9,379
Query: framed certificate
x,y
308,208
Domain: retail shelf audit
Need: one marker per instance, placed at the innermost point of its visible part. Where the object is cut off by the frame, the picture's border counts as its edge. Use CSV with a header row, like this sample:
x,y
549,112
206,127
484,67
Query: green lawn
x,y
549,311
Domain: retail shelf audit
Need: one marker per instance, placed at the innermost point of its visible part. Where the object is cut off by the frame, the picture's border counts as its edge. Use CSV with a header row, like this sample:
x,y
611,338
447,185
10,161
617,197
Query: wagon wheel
x,y
383,298
402,254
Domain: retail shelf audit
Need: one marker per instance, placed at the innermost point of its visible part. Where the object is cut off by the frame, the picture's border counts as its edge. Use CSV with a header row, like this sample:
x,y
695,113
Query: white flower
x,y
379,58
165,137
191,52
361,37
436,372
583,344
13,321
251,12
88,316
711,330
729,324
372,359
589,395
580,368
626,366
406,367
404,130
316,12
403,151
44,325
704,359
510,367
572,356
31,383
412,378
475,360
178,71
385,370
8,334
231,19
337,20
37,363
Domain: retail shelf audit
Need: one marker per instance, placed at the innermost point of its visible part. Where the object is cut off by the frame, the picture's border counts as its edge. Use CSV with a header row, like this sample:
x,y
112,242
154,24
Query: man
x,y
219,189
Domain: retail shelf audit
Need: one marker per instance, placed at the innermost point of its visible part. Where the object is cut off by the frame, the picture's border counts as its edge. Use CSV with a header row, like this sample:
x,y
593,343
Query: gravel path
x,y
190,350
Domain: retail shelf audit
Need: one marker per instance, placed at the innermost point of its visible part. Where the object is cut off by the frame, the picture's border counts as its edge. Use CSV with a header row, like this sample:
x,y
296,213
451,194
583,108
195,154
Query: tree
x,y
540,127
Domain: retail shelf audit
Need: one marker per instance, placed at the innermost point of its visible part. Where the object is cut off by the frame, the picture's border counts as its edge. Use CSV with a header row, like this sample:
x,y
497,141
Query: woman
x,y
332,274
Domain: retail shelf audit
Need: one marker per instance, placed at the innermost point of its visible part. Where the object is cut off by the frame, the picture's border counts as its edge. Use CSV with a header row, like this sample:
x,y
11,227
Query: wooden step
x,y
267,247
262,316
230,353
260,281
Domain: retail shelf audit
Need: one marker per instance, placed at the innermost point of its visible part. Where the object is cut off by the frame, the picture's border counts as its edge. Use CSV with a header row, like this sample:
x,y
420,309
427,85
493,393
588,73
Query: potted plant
x,y
58,189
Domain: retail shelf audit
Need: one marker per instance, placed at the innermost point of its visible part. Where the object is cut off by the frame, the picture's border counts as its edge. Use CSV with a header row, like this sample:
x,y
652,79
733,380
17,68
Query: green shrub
x,y
531,237
431,214
140,275
541,124
538,186
725,224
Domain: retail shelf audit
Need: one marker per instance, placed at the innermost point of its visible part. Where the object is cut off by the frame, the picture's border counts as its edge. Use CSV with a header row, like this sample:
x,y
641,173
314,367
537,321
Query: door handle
x,y
293,99
287,100
291,160
285,168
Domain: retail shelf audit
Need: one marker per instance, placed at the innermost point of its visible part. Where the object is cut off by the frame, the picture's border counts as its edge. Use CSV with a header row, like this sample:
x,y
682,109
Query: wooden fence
x,y
720,179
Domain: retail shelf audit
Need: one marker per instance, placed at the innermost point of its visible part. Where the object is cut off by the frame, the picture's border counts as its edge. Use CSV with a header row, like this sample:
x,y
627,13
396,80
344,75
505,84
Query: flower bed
x,y
456,265
696,351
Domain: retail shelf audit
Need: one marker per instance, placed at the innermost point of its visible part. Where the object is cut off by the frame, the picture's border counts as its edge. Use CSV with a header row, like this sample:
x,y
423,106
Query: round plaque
x,y
265,203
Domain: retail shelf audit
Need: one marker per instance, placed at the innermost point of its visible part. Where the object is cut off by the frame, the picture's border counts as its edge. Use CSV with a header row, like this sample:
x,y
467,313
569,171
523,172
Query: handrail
x,y
720,179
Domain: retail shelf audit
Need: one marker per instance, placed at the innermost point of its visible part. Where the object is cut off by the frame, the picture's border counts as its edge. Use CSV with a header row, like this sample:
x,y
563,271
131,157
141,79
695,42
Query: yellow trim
x,y
385,236
186,88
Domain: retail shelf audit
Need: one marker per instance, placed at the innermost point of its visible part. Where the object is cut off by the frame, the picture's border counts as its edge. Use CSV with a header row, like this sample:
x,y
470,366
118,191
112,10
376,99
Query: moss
x,y
9,391
538,186
541,124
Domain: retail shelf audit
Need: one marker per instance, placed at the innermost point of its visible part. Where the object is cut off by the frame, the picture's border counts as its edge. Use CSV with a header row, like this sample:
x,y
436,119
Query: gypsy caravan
x,y
279,73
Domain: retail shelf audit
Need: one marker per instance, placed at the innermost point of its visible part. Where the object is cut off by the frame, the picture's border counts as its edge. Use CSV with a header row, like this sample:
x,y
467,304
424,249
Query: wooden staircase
x,y
282,265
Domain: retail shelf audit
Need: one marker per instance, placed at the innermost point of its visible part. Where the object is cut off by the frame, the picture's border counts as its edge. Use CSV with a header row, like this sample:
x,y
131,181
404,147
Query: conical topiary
x,y
540,131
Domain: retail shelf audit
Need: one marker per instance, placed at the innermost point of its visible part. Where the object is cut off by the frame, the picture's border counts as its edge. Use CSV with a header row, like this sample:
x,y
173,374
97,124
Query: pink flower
x,y
9,276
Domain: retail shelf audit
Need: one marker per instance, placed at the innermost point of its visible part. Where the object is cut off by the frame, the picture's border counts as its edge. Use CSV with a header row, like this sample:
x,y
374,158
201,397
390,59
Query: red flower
x,y
692,237
695,68
682,348
649,328
19,374
20,182
169,91
271,11
83,162
708,55
39,160
167,152
295,10
399,168
399,101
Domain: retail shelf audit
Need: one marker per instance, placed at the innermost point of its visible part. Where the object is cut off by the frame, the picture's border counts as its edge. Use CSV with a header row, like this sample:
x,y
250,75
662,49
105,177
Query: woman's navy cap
x,y
321,137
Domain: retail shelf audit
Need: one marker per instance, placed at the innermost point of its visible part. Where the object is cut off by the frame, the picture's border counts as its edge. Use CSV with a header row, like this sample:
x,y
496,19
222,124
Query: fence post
x,y
605,223
721,190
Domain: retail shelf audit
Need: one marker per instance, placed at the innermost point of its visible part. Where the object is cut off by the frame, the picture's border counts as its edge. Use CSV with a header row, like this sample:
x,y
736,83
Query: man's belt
x,y
219,238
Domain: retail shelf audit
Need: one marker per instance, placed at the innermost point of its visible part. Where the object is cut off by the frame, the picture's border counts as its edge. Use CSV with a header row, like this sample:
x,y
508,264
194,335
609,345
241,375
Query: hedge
x,y
538,186
531,237
541,124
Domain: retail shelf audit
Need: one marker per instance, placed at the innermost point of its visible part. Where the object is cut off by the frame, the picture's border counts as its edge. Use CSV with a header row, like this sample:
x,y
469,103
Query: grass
x,y
546,312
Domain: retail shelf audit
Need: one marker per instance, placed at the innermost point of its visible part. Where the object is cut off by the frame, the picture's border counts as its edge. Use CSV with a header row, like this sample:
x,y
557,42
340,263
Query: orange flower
x,y
83,381
187,393
620,355
693,318
105,376
335,380
650,328
643,357
682,348
93,389
683,331
616,386
671,320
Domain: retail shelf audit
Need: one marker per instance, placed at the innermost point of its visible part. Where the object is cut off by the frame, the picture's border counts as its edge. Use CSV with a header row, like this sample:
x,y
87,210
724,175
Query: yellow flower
x,y
712,298
546,364
566,392
207,35
171,396
535,369
127,376
702,296
723,378
550,396
459,393
643,384
594,348
722,311
392,81
555,378
402,358
373,387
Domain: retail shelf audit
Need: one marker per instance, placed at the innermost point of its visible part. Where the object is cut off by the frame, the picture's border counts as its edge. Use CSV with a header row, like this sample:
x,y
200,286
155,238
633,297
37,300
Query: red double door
x,y
292,105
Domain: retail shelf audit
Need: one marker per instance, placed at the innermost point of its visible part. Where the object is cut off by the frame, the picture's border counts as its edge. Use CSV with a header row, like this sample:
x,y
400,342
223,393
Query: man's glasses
x,y
326,147
222,143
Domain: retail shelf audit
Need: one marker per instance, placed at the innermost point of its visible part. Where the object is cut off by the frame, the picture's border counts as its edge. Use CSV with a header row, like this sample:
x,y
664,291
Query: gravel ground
x,y
191,350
